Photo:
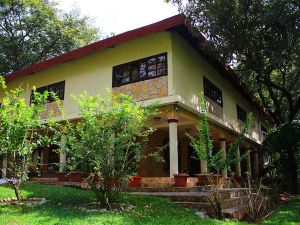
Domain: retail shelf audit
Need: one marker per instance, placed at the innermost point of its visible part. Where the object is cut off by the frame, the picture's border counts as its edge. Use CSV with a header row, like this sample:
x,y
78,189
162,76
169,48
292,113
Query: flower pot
x,y
76,176
209,179
62,176
180,179
135,181
237,179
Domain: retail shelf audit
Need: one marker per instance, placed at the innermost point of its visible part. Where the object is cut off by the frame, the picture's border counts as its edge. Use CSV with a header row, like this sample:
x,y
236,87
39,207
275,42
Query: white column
x,y
4,165
238,164
248,162
223,154
62,155
203,167
173,145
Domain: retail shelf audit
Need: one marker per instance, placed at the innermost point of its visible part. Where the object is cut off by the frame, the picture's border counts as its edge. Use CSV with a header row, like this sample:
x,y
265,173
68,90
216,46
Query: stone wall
x,y
51,107
147,89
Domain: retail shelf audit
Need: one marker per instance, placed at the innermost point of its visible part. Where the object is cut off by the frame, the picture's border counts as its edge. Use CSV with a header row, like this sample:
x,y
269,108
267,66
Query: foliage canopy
x,y
35,30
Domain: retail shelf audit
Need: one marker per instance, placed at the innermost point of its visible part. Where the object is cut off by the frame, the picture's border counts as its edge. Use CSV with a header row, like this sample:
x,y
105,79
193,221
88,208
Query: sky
x,y
118,16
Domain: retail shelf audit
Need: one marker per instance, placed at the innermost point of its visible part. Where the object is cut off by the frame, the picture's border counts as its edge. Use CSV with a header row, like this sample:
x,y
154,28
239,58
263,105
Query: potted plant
x,y
62,176
207,179
76,176
135,181
180,179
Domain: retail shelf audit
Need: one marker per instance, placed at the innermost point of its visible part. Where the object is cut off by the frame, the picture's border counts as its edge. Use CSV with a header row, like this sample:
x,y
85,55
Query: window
x,y
213,92
58,89
142,69
264,132
241,113
264,129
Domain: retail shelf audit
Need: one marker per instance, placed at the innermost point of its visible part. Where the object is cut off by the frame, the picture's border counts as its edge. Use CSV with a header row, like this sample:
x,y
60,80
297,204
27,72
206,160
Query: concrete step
x,y
197,205
237,212
179,196
167,189
157,184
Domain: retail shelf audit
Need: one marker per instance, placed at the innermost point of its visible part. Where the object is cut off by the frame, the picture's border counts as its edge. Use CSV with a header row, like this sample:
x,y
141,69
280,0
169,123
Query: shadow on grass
x,y
288,213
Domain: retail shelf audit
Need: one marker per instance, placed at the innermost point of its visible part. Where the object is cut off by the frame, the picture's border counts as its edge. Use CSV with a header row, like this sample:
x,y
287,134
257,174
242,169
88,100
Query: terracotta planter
x,y
237,179
76,176
180,179
208,179
62,176
135,181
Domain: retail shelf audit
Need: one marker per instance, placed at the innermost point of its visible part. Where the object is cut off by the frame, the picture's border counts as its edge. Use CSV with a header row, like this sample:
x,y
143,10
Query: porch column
x,y
173,145
238,164
203,168
248,162
4,165
256,170
223,154
62,156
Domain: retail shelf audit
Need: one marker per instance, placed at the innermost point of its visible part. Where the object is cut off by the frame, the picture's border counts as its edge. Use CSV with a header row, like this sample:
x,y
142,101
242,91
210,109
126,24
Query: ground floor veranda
x,y
172,124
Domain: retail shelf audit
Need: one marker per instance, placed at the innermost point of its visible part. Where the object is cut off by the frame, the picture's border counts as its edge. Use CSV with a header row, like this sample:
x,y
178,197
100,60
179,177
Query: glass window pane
x,y
152,61
151,67
135,73
152,73
161,58
161,71
143,70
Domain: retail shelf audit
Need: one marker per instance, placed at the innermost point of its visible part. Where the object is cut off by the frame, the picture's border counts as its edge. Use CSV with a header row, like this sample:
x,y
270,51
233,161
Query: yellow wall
x,y
188,71
93,73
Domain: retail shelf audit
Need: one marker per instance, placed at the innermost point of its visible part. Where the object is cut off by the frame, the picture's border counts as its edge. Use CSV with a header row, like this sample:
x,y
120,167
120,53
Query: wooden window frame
x,y
129,65
210,87
58,86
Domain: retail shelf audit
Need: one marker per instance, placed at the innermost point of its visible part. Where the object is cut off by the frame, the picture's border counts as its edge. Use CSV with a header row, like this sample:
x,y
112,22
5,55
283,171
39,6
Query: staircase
x,y
193,196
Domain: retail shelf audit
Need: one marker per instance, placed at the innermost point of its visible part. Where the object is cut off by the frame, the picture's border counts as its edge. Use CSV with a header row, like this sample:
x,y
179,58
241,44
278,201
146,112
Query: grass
x,y
148,210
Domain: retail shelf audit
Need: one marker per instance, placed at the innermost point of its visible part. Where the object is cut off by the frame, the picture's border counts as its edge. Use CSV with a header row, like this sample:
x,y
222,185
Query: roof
x,y
177,23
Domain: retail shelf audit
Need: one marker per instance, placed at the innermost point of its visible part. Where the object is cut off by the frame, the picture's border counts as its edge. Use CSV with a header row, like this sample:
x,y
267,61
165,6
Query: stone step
x,y
227,203
237,212
167,189
231,207
197,205
157,185
179,196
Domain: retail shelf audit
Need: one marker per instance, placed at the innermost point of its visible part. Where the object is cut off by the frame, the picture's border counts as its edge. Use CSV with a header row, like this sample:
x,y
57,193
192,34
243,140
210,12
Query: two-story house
x,y
162,62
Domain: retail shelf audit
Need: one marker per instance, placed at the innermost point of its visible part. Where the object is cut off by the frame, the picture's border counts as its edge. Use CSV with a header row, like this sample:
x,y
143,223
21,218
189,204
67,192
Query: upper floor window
x,y
213,92
142,69
241,113
57,88
264,132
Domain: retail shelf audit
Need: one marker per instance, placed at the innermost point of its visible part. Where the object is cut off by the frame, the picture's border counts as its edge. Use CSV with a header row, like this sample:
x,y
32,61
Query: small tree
x,y
106,143
203,146
22,130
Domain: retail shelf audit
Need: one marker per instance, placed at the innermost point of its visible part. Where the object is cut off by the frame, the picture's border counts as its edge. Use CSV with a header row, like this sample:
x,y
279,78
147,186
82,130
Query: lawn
x,y
149,210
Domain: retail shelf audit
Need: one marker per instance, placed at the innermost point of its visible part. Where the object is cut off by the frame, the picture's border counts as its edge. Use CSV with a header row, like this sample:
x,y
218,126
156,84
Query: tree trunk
x,y
16,188
293,178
